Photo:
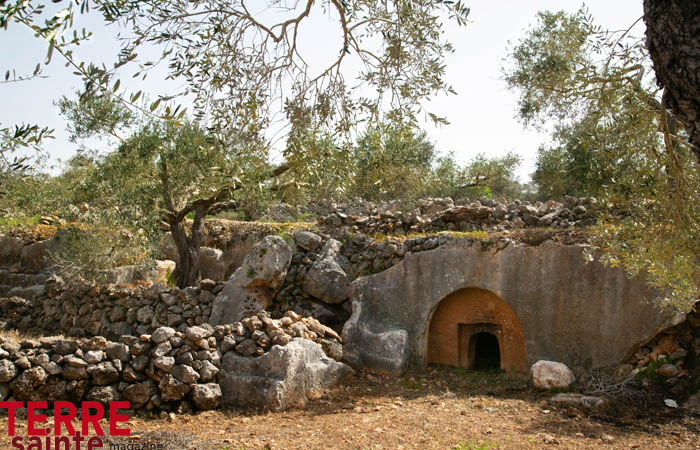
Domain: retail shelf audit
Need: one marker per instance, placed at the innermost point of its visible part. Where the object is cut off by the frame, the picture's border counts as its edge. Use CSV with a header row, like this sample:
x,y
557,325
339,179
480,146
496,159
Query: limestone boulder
x,y
326,280
253,286
206,396
307,240
551,374
386,351
282,378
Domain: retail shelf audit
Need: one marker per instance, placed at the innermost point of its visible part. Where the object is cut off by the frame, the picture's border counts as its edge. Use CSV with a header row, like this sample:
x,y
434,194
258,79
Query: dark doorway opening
x,y
486,351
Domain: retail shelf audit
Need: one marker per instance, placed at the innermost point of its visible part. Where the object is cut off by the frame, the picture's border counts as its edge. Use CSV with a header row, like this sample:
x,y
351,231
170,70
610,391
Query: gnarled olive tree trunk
x,y
673,41
187,271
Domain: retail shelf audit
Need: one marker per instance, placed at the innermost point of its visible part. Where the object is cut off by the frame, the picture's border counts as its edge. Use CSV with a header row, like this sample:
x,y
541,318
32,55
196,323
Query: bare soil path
x,y
442,409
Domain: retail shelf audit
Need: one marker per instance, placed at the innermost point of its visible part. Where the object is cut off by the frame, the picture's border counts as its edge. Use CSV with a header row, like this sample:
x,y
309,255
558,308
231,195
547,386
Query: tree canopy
x,y
615,140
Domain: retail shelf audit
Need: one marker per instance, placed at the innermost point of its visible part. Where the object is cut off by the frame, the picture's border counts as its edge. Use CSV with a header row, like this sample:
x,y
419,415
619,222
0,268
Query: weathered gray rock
x,y
65,347
208,372
118,350
196,333
105,373
140,393
162,334
326,280
281,378
307,240
172,389
248,347
551,374
24,385
8,371
387,351
186,374
103,394
253,286
206,396
164,363
93,356
332,348
70,372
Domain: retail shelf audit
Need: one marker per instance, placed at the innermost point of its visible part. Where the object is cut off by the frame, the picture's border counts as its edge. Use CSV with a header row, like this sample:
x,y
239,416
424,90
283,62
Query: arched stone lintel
x,y
464,313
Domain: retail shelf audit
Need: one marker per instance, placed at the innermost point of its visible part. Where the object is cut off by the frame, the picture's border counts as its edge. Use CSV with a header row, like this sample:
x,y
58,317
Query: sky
x,y
481,115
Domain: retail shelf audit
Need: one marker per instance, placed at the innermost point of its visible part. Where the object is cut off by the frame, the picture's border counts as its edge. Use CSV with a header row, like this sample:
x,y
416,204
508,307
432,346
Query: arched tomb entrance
x,y
475,329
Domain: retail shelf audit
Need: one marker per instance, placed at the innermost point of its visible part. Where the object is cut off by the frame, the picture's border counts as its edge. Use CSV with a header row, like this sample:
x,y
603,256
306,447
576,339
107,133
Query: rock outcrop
x,y
582,314
253,286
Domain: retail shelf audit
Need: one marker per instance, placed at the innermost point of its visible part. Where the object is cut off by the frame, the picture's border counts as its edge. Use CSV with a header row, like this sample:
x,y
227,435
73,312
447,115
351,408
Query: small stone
x,y
104,374
93,356
196,333
8,371
247,348
186,374
162,349
206,396
668,370
118,350
208,372
252,323
162,334
172,389
164,363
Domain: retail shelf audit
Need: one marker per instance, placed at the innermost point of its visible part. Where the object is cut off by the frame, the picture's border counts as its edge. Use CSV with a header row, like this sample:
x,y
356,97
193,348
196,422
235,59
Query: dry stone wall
x,y
174,370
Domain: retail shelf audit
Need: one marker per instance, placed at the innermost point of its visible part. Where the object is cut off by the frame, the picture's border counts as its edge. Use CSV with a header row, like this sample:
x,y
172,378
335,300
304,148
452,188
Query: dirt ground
x,y
441,409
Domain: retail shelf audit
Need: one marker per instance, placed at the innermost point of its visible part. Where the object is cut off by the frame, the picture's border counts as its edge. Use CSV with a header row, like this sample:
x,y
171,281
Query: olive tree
x,y
599,87
167,171
237,62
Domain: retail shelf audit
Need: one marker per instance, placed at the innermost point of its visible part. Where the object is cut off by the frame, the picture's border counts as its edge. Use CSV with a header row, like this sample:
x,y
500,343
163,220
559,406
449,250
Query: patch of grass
x,y
170,279
251,272
478,235
8,223
288,238
651,371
